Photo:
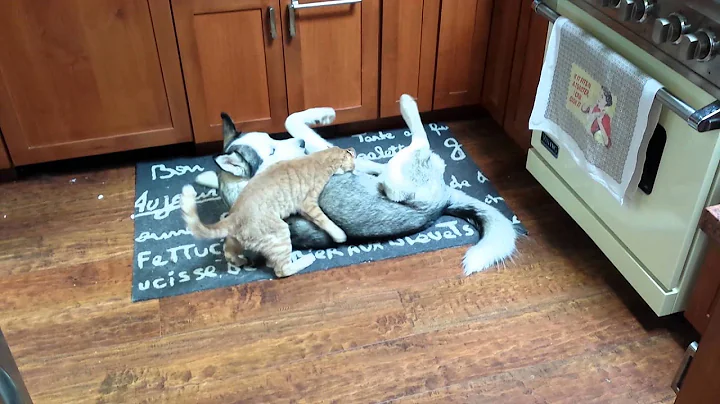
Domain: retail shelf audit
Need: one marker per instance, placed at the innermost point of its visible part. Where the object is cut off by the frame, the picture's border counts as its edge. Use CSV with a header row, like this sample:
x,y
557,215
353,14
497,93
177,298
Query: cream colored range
x,y
654,241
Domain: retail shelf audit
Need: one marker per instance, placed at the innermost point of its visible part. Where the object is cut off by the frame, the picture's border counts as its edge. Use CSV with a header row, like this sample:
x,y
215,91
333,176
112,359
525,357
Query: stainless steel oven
x,y
12,387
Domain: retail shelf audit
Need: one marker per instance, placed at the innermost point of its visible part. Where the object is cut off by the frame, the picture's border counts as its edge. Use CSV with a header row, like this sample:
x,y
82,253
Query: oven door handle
x,y
704,119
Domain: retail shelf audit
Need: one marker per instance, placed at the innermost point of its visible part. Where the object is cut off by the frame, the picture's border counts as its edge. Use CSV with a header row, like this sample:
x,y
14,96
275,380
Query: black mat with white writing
x,y
169,261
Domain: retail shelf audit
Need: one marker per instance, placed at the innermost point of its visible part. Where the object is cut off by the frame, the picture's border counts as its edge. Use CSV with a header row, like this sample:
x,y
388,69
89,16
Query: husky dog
x,y
377,201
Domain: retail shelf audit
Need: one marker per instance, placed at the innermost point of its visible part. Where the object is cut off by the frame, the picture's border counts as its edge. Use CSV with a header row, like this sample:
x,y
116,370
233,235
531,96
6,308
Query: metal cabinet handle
x,y
684,366
271,17
296,5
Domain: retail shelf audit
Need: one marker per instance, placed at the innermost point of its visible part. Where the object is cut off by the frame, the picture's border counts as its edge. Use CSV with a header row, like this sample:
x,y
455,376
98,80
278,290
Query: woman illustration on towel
x,y
599,117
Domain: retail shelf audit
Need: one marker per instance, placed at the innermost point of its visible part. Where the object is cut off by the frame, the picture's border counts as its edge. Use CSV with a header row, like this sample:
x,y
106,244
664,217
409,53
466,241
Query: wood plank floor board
x,y
426,361
615,375
556,324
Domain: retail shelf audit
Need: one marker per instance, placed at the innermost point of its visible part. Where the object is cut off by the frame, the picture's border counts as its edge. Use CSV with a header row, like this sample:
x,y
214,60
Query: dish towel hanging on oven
x,y
597,106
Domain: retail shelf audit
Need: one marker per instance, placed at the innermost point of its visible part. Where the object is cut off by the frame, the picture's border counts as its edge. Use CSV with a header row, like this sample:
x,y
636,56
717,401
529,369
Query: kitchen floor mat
x,y
169,261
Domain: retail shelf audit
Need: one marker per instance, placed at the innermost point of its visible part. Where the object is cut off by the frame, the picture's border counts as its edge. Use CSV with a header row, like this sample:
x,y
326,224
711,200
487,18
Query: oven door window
x,y
653,156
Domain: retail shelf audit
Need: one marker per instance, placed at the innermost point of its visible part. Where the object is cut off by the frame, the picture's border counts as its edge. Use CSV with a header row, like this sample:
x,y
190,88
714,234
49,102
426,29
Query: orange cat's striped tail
x,y
194,224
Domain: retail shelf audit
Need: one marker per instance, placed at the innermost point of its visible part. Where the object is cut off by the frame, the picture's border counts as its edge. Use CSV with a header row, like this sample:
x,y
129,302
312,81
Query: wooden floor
x,y
557,325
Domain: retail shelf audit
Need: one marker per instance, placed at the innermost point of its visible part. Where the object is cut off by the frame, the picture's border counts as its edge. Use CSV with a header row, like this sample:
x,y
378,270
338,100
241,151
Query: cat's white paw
x,y
338,236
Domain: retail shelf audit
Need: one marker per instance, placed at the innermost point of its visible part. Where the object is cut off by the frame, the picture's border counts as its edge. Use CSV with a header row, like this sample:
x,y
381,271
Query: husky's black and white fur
x,y
378,201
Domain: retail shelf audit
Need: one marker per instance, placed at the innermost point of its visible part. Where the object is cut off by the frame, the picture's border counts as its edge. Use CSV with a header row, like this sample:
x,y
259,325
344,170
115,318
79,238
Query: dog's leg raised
x,y
411,116
411,168
298,125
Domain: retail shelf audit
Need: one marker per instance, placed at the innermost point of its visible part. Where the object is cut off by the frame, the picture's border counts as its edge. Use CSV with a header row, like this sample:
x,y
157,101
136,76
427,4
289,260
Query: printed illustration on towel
x,y
595,68
592,104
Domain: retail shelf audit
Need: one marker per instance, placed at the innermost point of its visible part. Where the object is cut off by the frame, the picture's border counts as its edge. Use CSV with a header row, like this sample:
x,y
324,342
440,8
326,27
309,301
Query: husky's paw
x,y
320,116
407,98
407,103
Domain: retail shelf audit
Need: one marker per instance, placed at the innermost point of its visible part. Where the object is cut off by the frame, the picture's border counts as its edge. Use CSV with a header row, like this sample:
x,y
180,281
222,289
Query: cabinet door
x,y
501,47
525,76
462,45
409,45
233,62
5,162
332,58
700,384
87,77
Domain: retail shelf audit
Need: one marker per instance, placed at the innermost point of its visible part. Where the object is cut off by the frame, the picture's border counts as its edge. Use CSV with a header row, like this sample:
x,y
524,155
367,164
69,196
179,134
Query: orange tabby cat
x,y
256,220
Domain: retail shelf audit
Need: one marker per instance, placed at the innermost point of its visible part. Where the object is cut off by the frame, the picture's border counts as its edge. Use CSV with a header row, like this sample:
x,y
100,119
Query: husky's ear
x,y
243,161
234,164
229,131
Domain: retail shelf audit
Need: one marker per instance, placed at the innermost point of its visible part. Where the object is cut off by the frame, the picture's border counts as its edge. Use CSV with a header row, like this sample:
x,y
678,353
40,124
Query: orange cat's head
x,y
348,162
342,159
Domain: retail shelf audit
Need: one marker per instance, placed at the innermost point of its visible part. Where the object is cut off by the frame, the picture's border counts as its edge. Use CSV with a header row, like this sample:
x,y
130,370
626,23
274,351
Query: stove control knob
x,y
636,10
607,3
626,9
701,46
670,29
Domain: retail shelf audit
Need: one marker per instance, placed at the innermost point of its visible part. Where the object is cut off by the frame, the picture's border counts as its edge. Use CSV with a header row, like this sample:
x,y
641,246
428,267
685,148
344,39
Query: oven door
x,y
650,238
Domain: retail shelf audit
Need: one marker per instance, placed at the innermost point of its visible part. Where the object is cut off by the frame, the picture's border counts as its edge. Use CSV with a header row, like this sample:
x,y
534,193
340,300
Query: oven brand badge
x,y
592,104
550,145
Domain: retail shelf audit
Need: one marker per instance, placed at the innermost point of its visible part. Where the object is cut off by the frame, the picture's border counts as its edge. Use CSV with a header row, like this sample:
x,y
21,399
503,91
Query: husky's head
x,y
246,154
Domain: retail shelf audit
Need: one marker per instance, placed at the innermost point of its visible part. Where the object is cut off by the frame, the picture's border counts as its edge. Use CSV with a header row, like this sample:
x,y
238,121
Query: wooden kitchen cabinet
x,y
409,45
706,291
501,47
332,58
461,52
699,385
5,161
87,77
232,59
525,75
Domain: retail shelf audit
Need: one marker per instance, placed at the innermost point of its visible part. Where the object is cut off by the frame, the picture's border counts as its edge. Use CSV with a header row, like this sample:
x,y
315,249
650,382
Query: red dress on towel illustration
x,y
604,120
599,118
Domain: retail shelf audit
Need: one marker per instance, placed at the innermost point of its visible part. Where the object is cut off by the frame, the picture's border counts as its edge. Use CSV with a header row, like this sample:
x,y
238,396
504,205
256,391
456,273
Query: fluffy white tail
x,y
192,220
498,234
